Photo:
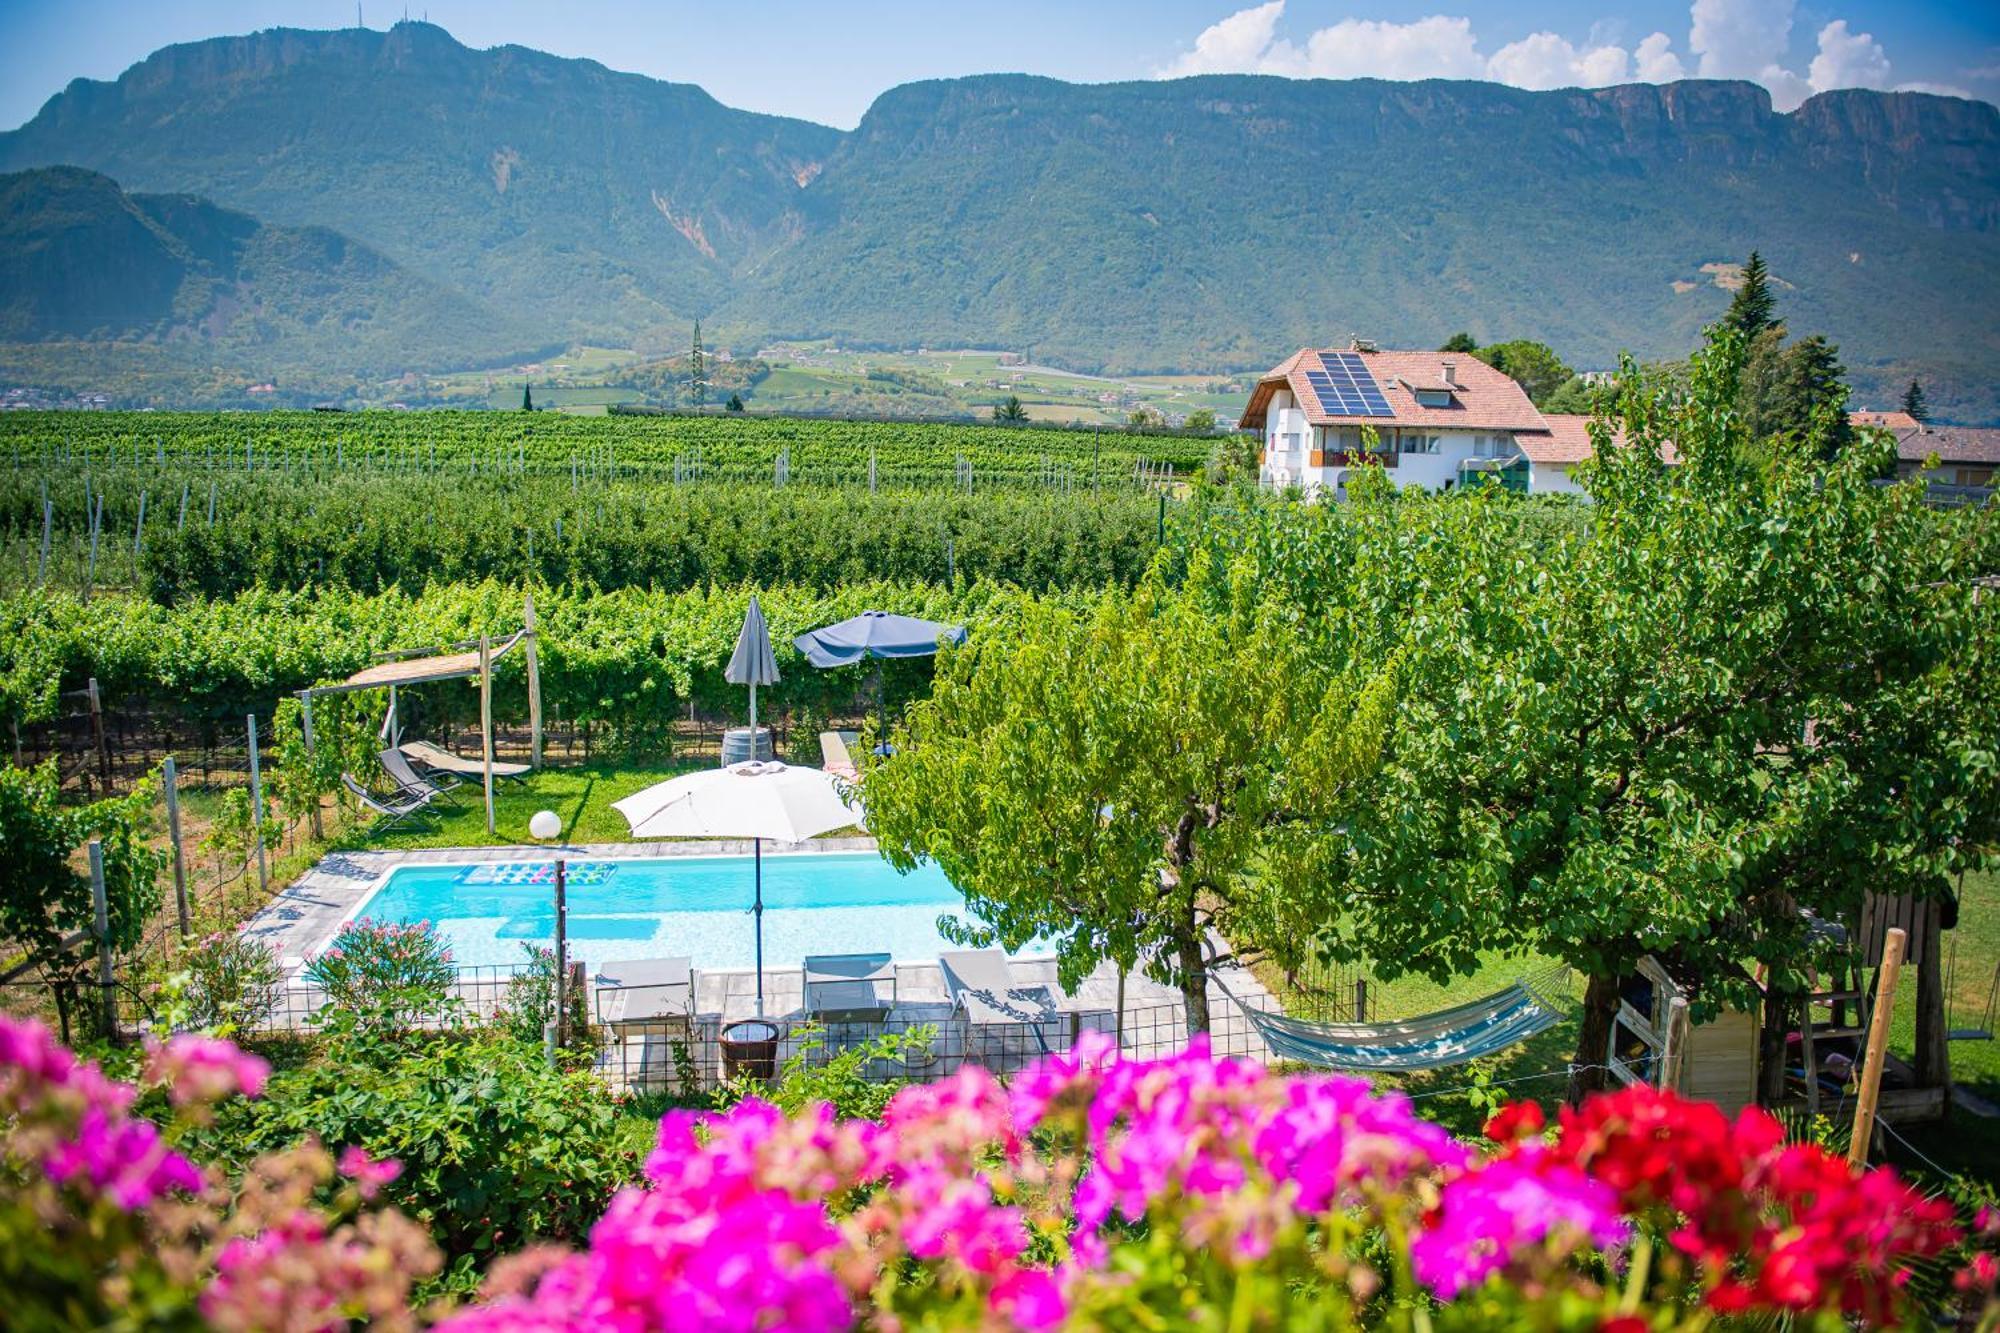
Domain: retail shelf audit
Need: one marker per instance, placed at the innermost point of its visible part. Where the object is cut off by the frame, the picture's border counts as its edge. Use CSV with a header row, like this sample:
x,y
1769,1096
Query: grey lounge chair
x,y
395,809
850,987
983,990
646,990
440,760
399,771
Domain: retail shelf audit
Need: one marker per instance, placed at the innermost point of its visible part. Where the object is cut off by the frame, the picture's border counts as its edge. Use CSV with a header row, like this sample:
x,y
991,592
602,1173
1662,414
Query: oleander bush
x,y
1092,1192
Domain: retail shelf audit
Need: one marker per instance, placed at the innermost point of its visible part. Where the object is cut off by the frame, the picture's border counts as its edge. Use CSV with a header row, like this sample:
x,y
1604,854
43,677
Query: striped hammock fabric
x,y
1434,1041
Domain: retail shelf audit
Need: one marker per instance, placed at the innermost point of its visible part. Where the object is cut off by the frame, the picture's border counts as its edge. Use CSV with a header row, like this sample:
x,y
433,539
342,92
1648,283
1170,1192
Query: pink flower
x,y
368,1175
204,1070
1030,1298
1493,1215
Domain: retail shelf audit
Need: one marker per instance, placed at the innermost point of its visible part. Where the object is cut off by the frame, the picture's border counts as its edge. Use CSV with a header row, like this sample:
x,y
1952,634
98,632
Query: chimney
x,y
1450,369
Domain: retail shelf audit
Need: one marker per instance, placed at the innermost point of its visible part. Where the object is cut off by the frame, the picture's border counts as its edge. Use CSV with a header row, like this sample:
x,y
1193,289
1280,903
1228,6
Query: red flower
x,y
1516,1120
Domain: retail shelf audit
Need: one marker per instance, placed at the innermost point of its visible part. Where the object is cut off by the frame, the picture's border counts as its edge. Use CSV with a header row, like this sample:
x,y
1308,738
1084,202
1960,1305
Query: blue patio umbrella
x,y
876,634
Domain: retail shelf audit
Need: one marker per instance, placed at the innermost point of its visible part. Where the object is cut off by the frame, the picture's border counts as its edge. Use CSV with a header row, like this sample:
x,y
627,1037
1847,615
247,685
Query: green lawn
x,y
582,796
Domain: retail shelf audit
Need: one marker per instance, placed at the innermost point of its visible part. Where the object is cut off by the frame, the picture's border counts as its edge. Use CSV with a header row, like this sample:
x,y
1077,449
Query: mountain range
x,y
451,207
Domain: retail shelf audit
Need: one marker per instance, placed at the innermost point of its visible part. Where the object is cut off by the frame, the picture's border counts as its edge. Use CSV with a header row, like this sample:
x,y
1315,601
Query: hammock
x,y
1448,1037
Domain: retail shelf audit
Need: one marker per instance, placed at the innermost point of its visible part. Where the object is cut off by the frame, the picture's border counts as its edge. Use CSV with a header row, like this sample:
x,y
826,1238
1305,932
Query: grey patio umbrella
x,y
752,663
876,634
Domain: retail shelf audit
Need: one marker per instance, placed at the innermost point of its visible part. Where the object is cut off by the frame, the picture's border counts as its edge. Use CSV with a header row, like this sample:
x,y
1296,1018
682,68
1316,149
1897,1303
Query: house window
x,y
1433,398
1420,444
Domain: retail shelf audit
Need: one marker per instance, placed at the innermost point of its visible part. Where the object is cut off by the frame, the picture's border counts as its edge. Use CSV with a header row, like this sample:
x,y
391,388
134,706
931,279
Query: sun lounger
x,y
850,987
834,755
392,809
646,990
399,771
982,989
444,761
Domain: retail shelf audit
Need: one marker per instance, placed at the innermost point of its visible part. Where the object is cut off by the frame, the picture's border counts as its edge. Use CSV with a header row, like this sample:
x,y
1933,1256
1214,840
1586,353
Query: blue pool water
x,y
698,906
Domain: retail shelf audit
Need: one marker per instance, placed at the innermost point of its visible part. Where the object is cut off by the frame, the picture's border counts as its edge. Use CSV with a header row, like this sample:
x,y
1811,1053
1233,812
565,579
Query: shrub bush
x,y
384,975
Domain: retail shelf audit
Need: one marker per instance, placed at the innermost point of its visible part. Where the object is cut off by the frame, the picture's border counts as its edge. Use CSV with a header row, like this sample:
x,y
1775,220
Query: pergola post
x,y
486,722
534,685
306,729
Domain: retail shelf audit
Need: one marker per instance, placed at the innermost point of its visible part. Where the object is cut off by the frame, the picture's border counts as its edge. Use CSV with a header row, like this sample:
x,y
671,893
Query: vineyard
x,y
180,506
776,450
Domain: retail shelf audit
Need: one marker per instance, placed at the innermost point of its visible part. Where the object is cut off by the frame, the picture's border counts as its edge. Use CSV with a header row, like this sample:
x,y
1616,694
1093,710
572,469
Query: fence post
x,y
139,529
48,530
100,908
1361,999
170,778
96,517
97,735
534,664
1673,1047
257,806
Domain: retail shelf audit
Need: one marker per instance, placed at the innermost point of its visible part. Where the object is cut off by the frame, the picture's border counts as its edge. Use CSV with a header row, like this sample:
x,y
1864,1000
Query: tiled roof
x,y
1895,422
1952,444
1482,397
1567,440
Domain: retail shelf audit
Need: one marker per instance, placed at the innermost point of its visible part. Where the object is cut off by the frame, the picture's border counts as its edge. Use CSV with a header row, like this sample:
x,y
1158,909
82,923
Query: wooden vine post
x,y
257,806
531,644
170,780
486,722
100,912
1878,1046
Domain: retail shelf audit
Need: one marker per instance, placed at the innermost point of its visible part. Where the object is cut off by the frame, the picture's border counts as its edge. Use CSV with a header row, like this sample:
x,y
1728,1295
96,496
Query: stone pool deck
x,y
304,918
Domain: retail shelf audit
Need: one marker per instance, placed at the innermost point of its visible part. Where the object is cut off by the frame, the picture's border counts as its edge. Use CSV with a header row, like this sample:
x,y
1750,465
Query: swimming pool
x,y
698,906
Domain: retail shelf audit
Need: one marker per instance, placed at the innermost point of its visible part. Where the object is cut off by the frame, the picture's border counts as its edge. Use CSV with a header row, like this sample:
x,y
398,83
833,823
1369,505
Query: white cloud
x,y
1739,39
1654,60
1429,48
1244,43
1727,39
1545,60
1848,59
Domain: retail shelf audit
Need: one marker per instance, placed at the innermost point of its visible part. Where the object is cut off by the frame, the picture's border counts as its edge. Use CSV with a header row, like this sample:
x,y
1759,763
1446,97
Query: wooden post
x,y
97,734
100,908
170,779
306,729
1886,977
96,517
534,660
1361,999
48,530
486,722
1931,1061
257,806
1673,1047
139,529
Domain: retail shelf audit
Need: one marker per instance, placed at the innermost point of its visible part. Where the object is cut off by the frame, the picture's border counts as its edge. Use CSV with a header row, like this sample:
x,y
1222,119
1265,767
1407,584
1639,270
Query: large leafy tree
x,y
1534,366
45,895
1744,691
1126,777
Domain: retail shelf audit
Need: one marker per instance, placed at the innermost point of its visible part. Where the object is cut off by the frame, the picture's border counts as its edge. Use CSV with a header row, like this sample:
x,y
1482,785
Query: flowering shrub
x,y
1209,1193
223,981
386,975
105,1222
1093,1192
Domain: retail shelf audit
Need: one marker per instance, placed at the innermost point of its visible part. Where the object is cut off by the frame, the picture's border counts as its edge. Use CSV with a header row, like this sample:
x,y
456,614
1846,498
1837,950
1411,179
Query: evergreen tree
x,y
527,398
1914,402
735,403
1809,398
1754,308
1459,342
697,372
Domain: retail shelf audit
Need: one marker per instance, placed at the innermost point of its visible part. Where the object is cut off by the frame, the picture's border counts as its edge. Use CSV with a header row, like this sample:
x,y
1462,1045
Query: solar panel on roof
x,y
1345,388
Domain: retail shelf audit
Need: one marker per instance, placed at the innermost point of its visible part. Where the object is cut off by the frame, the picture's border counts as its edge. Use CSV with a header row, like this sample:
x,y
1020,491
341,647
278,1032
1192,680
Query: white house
x,y
1431,419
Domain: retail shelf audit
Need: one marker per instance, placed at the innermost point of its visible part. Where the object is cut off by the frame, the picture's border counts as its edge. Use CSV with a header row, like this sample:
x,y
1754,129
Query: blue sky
x,y
826,62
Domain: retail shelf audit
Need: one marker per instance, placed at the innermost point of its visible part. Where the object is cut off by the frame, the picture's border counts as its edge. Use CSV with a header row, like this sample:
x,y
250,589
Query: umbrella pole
x,y
758,909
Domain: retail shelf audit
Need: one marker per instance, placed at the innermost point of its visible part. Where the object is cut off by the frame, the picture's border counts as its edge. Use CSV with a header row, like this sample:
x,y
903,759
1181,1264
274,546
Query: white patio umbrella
x,y
752,800
752,663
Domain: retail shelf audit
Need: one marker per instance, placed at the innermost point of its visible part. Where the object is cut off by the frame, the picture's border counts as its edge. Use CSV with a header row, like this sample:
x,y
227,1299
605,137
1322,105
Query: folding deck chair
x,y
983,990
850,987
440,760
392,810
408,779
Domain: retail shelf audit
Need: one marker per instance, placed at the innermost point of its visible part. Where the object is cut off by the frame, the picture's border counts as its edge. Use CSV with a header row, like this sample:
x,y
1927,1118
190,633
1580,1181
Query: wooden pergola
x,y
457,661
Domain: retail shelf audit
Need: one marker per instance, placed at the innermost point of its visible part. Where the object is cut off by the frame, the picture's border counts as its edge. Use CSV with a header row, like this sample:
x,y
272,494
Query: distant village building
x,y
1430,419
1966,455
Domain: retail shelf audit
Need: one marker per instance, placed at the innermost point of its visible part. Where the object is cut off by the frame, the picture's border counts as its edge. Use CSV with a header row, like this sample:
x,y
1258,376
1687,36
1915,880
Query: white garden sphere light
x,y
545,825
